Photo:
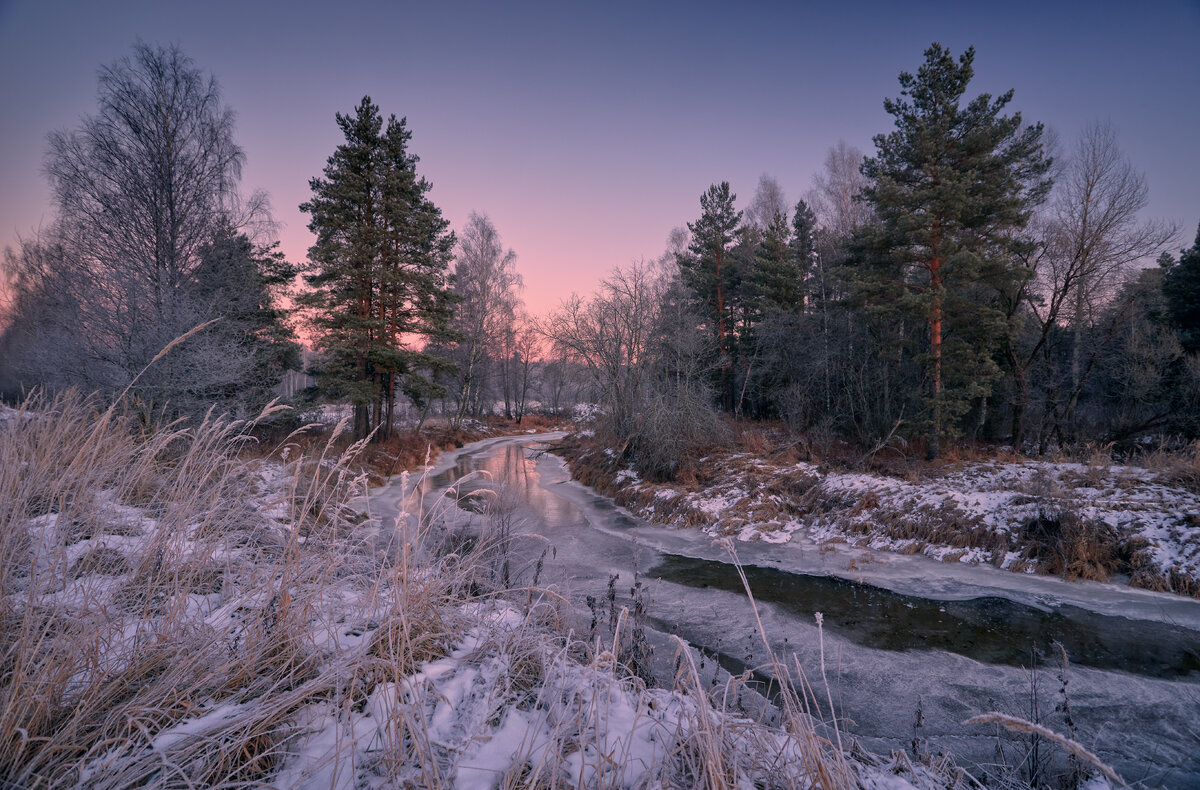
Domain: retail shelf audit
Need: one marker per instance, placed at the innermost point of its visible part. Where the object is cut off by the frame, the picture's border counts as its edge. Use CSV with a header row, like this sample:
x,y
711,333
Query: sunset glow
x,y
587,134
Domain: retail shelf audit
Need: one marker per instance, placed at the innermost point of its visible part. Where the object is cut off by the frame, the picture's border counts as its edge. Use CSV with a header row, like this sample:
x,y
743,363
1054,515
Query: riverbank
x,y
1096,521
178,614
928,651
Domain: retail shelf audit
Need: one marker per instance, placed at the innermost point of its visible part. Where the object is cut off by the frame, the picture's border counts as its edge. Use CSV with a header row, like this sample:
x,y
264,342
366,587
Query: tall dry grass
x,y
142,584
179,613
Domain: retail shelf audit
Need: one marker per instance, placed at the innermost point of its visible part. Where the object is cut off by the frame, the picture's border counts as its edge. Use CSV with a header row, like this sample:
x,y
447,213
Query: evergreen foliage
x,y
242,282
706,271
1144,380
951,187
776,281
378,273
1181,287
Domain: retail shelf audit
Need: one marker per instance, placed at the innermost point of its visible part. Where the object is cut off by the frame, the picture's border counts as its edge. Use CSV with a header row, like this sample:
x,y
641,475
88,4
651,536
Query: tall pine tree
x,y
951,187
706,270
378,274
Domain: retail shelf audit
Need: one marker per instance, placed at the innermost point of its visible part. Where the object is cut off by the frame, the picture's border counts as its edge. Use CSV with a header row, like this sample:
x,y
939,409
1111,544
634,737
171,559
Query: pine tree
x,y
706,271
378,272
1181,286
803,245
951,186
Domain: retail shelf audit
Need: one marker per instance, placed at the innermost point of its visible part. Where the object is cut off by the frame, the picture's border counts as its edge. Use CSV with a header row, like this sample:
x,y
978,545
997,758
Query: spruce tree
x,y
775,282
378,271
1181,286
243,283
951,186
803,245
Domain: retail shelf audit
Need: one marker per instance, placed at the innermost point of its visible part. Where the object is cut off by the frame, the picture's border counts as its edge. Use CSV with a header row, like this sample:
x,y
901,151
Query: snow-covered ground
x,y
218,621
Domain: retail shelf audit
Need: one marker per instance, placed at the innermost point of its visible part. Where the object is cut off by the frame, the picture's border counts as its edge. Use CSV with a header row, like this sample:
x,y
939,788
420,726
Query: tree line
x,y
155,247
965,281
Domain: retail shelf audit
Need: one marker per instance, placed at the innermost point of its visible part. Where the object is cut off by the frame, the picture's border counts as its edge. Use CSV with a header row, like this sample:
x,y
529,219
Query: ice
x,y
1140,723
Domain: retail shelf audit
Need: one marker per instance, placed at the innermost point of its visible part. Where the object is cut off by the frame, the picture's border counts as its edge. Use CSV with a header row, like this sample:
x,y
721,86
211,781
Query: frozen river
x,y
902,633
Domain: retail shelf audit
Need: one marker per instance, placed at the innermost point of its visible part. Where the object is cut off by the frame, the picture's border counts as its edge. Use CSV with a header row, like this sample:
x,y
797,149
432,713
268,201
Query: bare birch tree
x,y
832,197
1093,238
610,336
768,201
142,189
488,288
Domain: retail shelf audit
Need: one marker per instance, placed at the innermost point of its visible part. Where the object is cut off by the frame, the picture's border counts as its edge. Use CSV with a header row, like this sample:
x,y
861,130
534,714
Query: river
x,y
901,633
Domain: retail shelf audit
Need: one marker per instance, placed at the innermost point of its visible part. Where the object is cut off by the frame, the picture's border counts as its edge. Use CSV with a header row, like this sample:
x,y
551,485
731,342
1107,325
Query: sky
x,y
587,131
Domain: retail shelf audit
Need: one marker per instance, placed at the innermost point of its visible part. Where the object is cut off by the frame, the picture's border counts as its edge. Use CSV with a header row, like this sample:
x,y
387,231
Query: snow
x,y
585,412
887,782
986,504
197,726
509,698
627,476
482,731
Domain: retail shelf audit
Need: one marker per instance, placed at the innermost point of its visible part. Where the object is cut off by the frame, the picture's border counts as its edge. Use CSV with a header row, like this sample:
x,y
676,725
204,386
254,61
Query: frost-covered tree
x,y
834,197
143,190
487,287
768,201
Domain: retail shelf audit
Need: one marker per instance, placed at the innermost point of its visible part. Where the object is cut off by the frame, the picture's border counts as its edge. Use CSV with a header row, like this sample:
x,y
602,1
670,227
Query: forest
x,y
973,279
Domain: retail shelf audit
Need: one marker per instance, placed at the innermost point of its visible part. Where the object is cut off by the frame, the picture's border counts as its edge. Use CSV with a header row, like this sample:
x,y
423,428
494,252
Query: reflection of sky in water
x,y
511,469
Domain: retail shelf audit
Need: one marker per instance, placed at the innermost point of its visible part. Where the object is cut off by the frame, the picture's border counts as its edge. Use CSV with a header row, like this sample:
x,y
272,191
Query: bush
x,y
673,428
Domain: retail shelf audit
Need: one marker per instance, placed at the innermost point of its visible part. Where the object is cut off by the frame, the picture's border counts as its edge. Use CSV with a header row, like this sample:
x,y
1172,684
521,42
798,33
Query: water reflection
x,y
511,468
991,630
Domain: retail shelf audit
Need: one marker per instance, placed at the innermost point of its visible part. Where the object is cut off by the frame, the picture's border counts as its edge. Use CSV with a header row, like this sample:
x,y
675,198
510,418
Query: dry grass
x,y
1180,466
177,612
112,638
1016,724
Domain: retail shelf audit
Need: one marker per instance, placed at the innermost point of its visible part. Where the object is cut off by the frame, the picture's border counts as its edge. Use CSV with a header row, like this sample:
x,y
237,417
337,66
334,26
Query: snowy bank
x,y
1070,519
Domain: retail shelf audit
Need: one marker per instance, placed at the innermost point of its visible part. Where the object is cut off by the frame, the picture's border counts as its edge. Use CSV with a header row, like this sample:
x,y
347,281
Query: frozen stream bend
x,y
898,629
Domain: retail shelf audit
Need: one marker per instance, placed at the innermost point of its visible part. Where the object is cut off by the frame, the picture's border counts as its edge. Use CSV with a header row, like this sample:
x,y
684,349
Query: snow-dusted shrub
x,y
674,425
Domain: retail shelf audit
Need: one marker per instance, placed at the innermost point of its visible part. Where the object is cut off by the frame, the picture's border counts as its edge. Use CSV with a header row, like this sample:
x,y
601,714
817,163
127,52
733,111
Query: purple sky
x,y
587,132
